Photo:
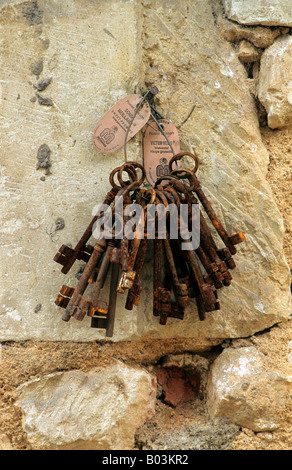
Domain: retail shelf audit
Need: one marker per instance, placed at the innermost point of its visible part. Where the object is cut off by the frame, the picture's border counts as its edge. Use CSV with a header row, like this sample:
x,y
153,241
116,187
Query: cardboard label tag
x,y
157,151
110,132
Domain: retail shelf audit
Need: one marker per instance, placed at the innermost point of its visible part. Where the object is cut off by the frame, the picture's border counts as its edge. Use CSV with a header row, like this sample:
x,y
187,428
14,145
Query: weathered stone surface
x,y
97,410
187,361
275,82
94,60
203,73
290,352
5,443
241,390
266,12
218,434
247,52
259,36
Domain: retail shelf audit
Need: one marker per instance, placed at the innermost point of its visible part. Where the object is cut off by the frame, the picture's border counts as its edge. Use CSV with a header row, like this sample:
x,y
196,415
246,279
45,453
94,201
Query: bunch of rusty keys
x,y
215,262
102,257
178,274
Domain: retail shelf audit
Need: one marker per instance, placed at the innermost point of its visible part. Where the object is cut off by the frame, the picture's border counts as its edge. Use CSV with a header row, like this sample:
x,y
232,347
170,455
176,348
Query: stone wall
x,y
223,71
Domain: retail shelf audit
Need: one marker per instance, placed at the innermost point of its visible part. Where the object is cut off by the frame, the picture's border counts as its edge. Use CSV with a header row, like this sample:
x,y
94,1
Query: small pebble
x,y
37,67
60,223
42,85
44,101
37,308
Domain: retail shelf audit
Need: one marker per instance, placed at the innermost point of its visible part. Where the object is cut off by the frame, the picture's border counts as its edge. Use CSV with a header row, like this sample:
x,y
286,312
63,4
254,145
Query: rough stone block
x,y
5,443
223,130
50,171
97,410
49,168
259,36
265,12
275,82
241,390
247,52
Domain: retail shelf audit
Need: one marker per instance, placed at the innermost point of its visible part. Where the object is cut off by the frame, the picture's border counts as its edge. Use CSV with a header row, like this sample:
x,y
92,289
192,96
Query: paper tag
x,y
157,151
110,131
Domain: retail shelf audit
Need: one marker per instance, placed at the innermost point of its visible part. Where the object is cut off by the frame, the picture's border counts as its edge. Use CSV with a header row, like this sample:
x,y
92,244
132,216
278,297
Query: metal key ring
x,y
180,155
131,172
130,168
179,186
115,186
141,167
186,173
175,183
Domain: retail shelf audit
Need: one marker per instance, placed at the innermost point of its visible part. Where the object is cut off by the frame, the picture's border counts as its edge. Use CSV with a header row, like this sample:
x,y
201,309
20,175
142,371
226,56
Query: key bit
x,y
112,300
99,249
126,281
64,296
180,290
80,308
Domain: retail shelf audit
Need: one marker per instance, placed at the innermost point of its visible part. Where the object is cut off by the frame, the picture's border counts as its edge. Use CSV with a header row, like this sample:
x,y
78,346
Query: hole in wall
x,y
182,377
177,384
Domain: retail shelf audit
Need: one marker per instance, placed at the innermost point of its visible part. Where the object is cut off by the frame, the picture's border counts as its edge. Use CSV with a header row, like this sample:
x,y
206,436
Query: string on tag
x,y
153,91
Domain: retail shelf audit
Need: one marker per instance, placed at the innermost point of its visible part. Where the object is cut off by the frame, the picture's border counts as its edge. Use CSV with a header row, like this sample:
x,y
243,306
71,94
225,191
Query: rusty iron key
x,y
229,240
180,289
133,297
162,304
214,275
204,287
98,251
107,322
215,266
134,292
115,274
128,275
64,296
98,306
66,255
